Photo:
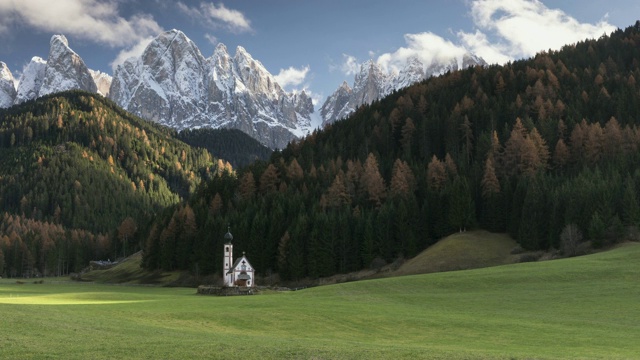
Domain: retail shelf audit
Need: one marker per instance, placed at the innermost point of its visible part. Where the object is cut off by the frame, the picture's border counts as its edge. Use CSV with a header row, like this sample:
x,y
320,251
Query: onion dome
x,y
228,237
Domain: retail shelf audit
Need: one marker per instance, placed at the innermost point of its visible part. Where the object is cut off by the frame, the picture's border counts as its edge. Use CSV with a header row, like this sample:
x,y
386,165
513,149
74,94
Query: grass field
x,y
584,307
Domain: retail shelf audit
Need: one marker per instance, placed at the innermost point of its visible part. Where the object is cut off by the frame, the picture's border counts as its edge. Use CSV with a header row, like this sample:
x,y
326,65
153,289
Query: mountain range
x,y
372,83
173,84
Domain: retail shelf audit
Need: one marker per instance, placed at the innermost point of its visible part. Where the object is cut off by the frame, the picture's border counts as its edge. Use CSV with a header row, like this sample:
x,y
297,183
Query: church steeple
x,y
227,261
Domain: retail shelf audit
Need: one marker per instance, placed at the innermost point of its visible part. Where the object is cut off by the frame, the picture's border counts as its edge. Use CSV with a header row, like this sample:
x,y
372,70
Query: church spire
x,y
228,237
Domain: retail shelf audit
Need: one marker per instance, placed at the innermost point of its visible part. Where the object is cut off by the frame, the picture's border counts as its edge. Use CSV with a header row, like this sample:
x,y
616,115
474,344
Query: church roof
x,y
237,262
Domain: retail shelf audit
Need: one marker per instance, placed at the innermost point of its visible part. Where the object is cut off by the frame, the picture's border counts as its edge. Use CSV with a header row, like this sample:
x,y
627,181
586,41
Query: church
x,y
239,272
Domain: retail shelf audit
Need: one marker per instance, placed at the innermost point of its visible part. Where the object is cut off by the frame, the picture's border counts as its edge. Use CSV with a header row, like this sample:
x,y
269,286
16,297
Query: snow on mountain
x,y
102,80
173,84
338,105
65,69
31,80
7,86
372,83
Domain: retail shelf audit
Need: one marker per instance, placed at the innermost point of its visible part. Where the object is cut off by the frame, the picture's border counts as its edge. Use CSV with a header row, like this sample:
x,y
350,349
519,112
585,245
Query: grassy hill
x,y
577,308
128,271
461,251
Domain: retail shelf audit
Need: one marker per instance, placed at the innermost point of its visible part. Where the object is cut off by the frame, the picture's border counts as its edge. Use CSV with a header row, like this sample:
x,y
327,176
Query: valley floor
x,y
582,307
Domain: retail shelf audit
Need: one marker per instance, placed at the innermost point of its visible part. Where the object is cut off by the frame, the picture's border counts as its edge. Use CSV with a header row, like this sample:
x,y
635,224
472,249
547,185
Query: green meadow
x,y
584,307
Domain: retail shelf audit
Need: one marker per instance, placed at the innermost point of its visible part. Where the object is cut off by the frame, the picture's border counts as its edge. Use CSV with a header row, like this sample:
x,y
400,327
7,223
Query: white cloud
x,y
427,46
212,39
95,20
292,76
350,65
133,51
505,30
523,28
218,16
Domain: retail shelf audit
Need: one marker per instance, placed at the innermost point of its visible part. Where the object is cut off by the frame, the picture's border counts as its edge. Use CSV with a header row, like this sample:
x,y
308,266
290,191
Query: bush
x,y
529,257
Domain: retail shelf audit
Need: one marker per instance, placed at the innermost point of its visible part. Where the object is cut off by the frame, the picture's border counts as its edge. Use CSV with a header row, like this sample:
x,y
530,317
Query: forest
x,y
79,177
536,148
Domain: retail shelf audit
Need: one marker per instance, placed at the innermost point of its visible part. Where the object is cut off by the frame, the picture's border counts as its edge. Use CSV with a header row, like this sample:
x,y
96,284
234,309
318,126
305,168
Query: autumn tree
x,y
215,206
541,148
269,180
436,174
294,171
247,186
126,230
402,180
489,184
337,194
372,182
560,154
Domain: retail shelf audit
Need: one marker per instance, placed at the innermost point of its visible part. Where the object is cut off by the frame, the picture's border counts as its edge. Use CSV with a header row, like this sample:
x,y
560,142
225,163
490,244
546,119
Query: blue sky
x,y
312,45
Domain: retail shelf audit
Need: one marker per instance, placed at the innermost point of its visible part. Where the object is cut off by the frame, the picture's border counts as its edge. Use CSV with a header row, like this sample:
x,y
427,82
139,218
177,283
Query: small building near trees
x,y
238,272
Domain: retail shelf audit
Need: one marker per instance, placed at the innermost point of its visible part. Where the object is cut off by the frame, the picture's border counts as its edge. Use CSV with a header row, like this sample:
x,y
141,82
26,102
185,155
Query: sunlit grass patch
x,y
60,299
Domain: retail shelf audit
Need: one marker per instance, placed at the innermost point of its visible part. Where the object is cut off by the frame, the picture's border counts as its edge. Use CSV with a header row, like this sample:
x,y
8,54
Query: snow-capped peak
x,y
173,84
65,69
371,82
31,80
7,86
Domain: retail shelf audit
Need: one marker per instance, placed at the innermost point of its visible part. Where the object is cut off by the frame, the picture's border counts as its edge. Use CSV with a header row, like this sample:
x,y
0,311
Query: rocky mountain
x,y
372,83
172,83
7,87
102,80
64,70
31,80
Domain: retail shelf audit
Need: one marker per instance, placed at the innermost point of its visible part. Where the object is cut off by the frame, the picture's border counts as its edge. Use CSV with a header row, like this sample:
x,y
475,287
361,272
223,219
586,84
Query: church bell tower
x,y
227,261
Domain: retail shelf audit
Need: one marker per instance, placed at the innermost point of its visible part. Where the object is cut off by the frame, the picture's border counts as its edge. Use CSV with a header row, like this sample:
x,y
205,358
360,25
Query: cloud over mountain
x,y
98,21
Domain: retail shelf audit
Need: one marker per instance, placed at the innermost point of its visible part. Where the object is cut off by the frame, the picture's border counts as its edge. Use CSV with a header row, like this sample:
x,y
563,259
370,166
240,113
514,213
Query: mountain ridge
x,y
172,83
372,83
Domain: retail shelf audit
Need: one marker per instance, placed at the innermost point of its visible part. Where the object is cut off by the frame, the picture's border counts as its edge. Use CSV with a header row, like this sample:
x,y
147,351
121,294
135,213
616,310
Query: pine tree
x,y
630,206
461,213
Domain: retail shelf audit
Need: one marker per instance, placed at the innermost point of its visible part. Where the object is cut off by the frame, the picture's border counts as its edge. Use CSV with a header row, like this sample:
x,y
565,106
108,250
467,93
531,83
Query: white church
x,y
238,273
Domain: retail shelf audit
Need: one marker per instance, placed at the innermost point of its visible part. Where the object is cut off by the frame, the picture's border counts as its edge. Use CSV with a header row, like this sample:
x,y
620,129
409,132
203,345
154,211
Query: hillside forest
x,y
544,149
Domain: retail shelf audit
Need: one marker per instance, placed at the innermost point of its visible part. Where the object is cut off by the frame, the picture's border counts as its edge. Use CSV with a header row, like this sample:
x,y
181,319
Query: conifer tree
x,y
490,184
436,174
269,180
372,181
